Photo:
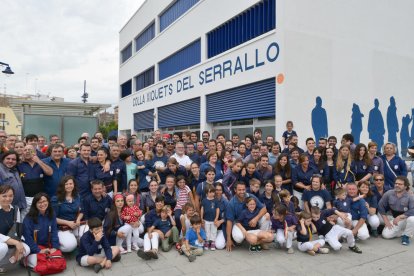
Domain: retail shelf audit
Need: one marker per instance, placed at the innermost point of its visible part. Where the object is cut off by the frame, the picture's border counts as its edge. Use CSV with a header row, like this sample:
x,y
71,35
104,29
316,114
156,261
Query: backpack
x,y
50,263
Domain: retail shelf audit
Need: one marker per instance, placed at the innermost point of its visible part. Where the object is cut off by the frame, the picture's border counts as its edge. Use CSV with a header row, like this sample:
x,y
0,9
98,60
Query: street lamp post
x,y
8,70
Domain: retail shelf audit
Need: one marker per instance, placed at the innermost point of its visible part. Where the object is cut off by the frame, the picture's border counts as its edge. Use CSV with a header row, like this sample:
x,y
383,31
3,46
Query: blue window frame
x,y
172,13
126,88
145,36
183,59
126,53
251,23
144,79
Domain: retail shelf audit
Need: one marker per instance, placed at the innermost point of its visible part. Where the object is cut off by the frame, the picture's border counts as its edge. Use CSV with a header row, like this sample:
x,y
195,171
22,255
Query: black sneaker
x,y
253,248
153,254
97,268
143,255
355,249
258,248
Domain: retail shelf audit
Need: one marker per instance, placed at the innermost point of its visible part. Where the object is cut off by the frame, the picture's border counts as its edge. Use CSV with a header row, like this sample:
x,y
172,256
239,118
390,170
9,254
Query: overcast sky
x,y
53,45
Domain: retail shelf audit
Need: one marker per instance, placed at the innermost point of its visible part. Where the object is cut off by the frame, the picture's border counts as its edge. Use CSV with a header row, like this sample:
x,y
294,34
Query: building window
x,y
251,23
126,53
3,121
145,36
144,79
183,59
126,88
178,8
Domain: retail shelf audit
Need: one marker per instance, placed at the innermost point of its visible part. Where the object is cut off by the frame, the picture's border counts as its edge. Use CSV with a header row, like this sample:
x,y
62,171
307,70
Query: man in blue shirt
x,y
59,166
359,212
119,168
97,204
234,209
32,172
80,169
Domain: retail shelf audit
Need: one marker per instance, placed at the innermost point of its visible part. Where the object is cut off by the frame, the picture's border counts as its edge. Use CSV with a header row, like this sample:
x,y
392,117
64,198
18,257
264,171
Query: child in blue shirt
x,y
343,204
94,248
289,132
165,227
209,214
194,239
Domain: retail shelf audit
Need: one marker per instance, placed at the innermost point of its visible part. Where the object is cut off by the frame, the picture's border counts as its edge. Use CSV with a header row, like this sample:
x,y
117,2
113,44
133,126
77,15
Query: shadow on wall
x,y
376,125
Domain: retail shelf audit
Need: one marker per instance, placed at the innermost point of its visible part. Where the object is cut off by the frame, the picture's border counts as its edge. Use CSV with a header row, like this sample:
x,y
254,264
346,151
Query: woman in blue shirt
x,y
66,205
40,228
393,165
109,177
283,168
343,172
301,178
213,161
372,205
362,164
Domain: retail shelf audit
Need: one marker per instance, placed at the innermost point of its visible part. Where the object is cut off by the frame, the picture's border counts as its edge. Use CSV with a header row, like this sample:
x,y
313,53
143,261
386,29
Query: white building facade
x,y
331,67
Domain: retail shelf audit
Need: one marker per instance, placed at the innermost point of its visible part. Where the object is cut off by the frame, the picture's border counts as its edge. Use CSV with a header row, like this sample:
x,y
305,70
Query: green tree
x,y
107,128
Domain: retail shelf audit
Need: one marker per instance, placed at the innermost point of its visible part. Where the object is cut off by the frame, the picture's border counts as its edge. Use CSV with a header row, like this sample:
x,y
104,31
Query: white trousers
x,y
211,230
363,232
220,240
127,230
373,221
238,236
135,235
282,240
404,227
6,252
337,231
151,243
306,246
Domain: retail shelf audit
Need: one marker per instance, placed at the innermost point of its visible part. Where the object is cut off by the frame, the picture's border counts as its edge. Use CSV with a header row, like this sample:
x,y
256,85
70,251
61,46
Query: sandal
x,y
3,270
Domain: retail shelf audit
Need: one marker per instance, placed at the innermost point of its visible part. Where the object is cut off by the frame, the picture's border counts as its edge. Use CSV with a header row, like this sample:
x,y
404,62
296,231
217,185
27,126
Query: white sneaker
x,y
135,247
122,250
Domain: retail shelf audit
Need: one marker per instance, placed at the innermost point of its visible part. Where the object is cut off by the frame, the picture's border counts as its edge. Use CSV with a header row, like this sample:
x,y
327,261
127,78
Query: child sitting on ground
x,y
131,214
284,225
165,227
194,239
305,230
94,248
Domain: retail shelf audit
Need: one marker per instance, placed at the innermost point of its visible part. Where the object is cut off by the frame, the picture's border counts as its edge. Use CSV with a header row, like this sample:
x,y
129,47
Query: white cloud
x,y
61,43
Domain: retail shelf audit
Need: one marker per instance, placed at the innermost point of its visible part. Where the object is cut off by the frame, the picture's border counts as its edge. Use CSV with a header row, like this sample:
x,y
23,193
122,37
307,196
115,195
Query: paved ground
x,y
379,257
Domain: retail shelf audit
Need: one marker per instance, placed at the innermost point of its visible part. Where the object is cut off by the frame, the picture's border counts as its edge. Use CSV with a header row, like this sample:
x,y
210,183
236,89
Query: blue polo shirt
x,y
52,182
120,173
377,194
235,207
163,225
106,177
298,175
66,210
81,171
395,167
32,178
210,207
246,216
359,210
93,208
360,169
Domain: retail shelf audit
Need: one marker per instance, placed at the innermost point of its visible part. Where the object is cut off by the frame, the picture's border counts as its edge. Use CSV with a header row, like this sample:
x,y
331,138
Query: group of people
x,y
108,198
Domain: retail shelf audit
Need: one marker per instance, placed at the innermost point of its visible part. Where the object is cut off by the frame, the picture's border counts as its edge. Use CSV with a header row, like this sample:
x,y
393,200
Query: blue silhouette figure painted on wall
x,y
376,128
392,122
412,128
319,120
356,123
404,134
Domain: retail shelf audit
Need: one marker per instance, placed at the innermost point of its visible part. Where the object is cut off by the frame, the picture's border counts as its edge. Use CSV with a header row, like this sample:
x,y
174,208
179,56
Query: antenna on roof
x,y
85,95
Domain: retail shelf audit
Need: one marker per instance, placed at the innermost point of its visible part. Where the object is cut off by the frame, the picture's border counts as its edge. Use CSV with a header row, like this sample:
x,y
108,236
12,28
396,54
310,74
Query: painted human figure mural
x,y
392,123
405,134
319,120
356,123
376,128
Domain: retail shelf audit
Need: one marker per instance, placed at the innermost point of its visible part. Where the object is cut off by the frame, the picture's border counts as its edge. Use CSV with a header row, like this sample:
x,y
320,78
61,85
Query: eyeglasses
x,y
379,179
